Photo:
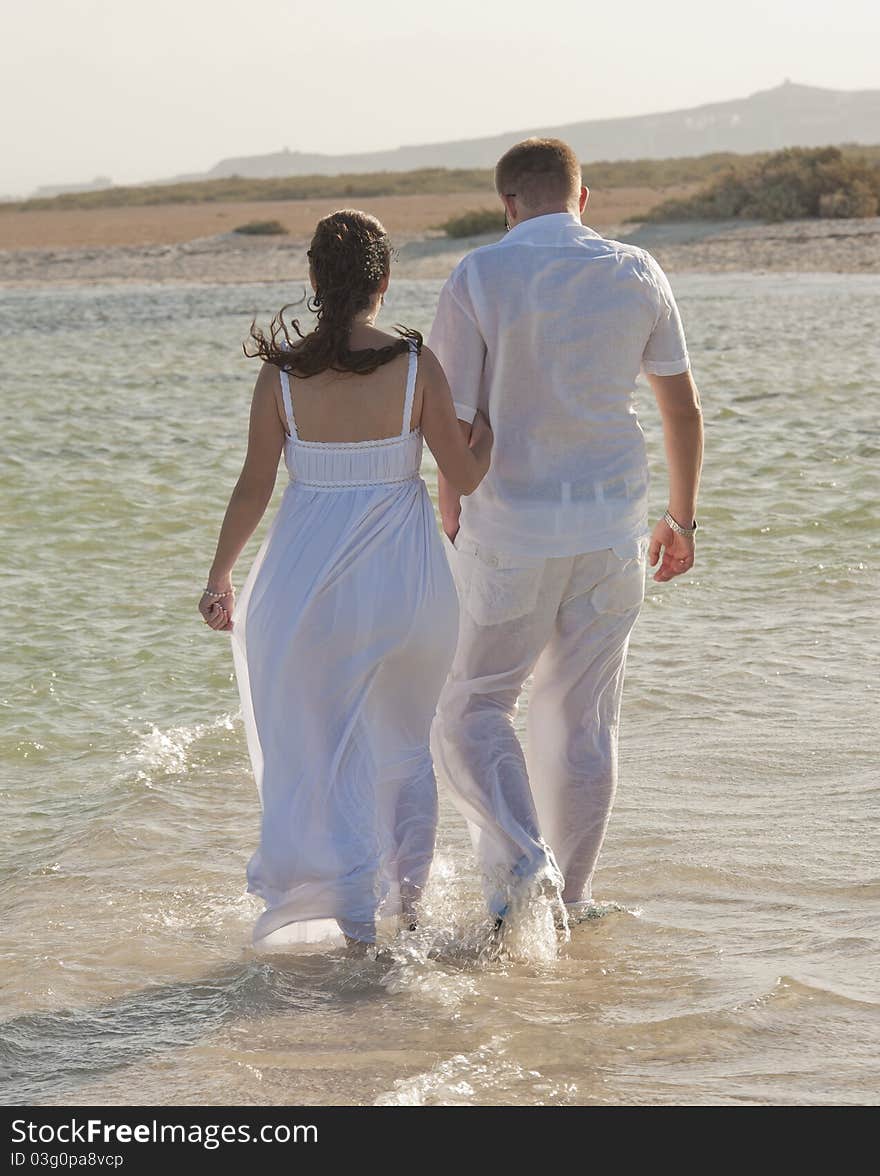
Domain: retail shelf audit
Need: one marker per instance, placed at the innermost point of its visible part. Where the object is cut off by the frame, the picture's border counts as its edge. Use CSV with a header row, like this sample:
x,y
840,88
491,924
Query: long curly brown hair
x,y
350,254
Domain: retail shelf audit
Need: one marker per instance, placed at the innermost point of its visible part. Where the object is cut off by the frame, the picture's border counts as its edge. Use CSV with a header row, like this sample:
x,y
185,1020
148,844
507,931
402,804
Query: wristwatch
x,y
677,527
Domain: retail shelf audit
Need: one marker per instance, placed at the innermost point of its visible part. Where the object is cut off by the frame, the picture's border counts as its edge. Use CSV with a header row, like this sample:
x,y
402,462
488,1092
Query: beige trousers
x,y
567,621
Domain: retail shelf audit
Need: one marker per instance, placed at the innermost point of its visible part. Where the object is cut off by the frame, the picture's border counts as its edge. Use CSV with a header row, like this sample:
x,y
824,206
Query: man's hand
x,y
450,524
481,435
678,552
679,404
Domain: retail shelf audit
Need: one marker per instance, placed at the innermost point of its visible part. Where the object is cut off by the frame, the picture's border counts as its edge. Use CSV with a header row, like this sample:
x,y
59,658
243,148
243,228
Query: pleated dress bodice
x,y
343,465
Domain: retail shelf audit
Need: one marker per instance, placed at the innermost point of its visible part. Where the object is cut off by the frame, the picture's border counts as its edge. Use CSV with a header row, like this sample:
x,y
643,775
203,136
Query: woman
x,y
346,625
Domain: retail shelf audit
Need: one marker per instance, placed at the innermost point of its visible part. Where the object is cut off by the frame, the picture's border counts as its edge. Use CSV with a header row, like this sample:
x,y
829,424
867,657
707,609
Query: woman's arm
x,y
251,495
462,463
448,499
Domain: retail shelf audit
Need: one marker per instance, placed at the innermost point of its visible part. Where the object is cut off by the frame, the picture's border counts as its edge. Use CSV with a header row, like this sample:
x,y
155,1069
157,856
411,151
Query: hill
x,y
786,116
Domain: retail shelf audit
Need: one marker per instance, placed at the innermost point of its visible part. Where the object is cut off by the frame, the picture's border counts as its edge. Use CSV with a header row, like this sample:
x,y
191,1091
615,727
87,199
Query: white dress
x,y
344,633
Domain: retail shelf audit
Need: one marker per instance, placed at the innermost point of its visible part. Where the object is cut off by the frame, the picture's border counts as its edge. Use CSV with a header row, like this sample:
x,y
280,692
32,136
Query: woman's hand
x,y
217,614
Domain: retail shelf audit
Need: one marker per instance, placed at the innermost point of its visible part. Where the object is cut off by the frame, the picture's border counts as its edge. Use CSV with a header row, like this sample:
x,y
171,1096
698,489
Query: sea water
x,y
734,955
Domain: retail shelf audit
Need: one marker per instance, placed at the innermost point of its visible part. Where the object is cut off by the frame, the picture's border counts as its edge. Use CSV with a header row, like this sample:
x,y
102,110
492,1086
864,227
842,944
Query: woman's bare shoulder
x,y
267,389
268,379
430,367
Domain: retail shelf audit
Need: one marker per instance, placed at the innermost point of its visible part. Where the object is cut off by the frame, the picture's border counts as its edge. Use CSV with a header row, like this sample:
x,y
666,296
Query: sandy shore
x,y
174,224
809,246
195,243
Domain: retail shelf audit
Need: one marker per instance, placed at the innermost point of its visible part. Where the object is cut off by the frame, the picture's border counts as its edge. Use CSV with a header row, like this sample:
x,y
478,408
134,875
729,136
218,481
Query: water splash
x,y
167,752
465,1079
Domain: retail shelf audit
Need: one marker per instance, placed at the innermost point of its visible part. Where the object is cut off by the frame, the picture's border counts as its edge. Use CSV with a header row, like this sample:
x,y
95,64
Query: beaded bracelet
x,y
218,595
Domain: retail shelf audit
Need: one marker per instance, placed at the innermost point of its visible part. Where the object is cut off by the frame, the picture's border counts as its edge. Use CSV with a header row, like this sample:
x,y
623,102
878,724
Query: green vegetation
x,y
475,223
659,173
794,184
434,181
266,228
423,182
427,181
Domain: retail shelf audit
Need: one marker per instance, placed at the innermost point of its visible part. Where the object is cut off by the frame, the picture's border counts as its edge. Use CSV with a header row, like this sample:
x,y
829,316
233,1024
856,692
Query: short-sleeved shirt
x,y
546,332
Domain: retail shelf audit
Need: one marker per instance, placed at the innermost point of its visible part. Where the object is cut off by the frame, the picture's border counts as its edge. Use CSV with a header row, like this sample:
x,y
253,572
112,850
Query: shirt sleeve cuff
x,y
669,367
464,412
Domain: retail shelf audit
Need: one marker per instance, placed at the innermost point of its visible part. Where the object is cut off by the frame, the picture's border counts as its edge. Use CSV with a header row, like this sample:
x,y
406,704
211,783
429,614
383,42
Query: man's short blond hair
x,y
539,172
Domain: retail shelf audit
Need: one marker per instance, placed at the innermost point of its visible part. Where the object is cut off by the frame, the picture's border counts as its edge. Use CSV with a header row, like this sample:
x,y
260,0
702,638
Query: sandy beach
x,y
174,224
197,242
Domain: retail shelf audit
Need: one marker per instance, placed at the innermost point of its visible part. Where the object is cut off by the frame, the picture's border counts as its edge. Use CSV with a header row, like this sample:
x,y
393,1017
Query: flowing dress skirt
x,y
343,635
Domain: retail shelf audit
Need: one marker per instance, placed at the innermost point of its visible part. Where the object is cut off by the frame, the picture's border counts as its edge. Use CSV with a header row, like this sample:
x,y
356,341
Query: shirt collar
x,y
537,227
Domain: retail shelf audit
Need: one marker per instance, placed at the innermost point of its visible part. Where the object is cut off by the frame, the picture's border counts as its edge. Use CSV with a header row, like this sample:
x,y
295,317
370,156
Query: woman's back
x,y
372,445
344,407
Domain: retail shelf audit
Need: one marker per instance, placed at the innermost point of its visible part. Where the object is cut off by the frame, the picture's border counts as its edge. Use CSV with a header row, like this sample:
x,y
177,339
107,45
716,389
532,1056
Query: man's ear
x,y
509,203
585,196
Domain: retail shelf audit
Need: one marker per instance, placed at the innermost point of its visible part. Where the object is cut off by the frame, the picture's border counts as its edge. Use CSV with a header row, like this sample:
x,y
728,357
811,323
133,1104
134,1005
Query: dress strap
x,y
410,388
288,406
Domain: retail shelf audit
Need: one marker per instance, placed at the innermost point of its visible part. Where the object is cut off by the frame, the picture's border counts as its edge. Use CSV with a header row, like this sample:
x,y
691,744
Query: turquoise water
x,y
737,958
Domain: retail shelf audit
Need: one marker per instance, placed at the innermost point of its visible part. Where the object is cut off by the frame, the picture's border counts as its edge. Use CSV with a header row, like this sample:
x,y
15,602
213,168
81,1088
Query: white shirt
x,y
546,331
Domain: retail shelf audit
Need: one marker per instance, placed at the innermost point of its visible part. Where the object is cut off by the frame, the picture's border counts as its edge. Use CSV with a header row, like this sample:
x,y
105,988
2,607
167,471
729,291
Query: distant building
x,y
96,185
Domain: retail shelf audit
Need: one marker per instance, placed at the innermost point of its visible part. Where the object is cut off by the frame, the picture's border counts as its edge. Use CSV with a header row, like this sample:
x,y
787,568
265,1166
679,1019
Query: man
x,y
546,332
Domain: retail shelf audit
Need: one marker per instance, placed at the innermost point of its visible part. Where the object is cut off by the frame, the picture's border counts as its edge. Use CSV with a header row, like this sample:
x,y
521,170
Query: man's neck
x,y
554,211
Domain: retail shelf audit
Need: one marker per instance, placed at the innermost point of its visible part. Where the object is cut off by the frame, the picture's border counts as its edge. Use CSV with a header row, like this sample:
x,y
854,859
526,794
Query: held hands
x,y
482,438
678,552
451,526
217,614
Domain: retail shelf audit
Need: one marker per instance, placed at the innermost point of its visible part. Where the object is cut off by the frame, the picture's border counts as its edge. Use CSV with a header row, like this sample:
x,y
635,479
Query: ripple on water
x,y
742,832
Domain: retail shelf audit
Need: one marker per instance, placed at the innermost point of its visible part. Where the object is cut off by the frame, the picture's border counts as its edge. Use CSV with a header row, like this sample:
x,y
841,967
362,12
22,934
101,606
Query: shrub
x,y
267,228
599,175
859,200
475,223
793,184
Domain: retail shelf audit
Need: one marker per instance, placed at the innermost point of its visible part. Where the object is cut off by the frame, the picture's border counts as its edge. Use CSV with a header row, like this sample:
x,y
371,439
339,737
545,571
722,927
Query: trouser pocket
x,y
495,588
622,588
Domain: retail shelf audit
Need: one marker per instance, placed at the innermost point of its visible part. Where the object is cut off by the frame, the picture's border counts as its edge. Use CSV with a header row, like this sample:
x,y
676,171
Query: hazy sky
x,y
142,89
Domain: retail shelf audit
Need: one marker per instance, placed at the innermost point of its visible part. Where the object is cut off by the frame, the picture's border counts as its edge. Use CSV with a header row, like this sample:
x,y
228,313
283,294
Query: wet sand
x,y
807,246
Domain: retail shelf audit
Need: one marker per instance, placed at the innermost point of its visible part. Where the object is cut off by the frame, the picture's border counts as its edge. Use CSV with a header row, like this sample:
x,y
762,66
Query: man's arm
x,y
679,402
